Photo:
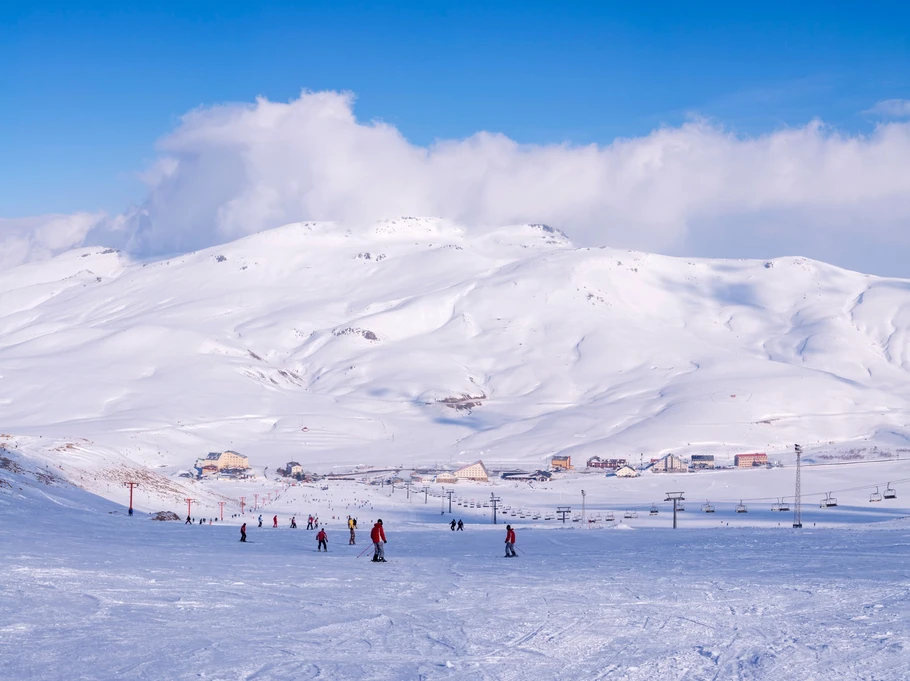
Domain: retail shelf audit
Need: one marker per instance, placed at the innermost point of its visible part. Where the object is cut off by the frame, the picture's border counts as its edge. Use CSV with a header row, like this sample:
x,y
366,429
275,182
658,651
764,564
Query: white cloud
x,y
891,108
228,171
41,237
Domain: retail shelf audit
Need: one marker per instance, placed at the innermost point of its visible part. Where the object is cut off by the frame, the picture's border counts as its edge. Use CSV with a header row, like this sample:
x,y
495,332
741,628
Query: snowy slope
x,y
357,337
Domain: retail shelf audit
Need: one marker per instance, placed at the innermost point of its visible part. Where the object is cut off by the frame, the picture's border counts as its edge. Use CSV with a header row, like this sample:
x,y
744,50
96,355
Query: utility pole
x,y
255,502
242,504
563,511
442,496
583,519
221,507
495,501
407,486
798,500
189,504
131,485
426,493
675,497
450,492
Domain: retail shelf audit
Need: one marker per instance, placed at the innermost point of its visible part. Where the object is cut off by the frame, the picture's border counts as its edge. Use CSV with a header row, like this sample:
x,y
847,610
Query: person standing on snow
x,y
293,522
452,525
323,539
309,523
189,521
377,536
260,520
243,532
275,522
510,542
460,525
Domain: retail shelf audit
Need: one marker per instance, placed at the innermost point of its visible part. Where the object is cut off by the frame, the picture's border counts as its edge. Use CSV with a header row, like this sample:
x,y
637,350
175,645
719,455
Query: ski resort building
x,y
702,461
561,463
626,472
613,464
475,471
293,469
216,462
750,460
669,464
445,479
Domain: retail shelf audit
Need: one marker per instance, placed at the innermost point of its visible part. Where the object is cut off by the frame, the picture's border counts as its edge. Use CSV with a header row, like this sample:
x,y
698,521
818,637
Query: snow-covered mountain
x,y
417,341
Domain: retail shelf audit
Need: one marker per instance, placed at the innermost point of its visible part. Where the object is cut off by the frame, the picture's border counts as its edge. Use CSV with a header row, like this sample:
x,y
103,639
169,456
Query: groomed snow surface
x,y
91,593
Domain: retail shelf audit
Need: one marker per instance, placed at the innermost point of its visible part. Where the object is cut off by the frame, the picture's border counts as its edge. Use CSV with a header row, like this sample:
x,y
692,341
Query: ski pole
x,y
521,549
364,551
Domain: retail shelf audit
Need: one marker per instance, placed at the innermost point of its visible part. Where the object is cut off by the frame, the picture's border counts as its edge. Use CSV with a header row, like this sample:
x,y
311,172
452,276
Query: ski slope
x,y
92,593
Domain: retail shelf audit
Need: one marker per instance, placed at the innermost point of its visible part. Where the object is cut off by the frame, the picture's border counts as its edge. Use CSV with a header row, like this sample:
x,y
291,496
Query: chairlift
x,y
741,507
608,517
828,501
776,505
784,505
536,516
576,518
654,510
630,514
680,506
875,496
708,507
549,517
890,492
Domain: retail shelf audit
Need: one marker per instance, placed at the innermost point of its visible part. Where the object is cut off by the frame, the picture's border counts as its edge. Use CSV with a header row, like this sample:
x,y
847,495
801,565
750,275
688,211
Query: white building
x,y
475,471
626,472
445,479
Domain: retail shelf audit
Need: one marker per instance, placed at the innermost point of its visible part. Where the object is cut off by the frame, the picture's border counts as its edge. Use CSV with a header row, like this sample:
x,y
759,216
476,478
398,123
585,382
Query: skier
x,y
309,523
293,522
377,536
243,532
452,524
460,525
350,523
189,521
275,522
260,520
351,540
322,538
510,542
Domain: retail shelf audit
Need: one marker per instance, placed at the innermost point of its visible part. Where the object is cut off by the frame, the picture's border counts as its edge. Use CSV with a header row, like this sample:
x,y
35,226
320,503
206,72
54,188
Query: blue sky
x,y
87,88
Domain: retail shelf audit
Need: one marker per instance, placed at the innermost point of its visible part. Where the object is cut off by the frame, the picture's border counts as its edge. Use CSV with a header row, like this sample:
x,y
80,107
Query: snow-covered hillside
x,y
417,341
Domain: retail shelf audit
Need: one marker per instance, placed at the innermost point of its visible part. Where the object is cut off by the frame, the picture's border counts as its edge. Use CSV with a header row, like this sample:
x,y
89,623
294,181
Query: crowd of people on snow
x,y
377,536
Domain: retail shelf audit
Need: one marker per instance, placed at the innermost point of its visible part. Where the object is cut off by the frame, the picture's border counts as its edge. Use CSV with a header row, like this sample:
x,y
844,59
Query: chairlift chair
x,y
654,509
890,492
828,501
875,496
784,506
608,517
680,506
776,505
741,507
630,514
708,507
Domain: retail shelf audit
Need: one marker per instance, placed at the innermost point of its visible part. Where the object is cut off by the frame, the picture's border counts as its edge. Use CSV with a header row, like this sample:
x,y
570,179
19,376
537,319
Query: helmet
x,y
379,522
508,527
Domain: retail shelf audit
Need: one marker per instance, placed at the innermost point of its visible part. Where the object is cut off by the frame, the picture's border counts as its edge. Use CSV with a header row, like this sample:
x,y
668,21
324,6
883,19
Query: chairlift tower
x,y
583,520
494,500
675,497
563,511
798,500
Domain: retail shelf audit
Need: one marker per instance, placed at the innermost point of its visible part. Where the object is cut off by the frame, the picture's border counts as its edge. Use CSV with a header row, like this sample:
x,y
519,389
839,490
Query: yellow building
x,y
561,463
222,460
445,479
475,471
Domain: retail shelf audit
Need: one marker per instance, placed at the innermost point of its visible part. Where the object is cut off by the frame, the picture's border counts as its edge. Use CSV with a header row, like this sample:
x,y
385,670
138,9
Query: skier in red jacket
x,y
377,536
243,532
275,522
322,538
510,542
